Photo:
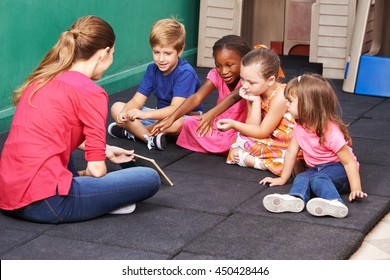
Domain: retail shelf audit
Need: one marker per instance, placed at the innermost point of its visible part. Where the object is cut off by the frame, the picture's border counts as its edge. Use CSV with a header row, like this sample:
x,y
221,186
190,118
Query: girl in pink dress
x,y
199,133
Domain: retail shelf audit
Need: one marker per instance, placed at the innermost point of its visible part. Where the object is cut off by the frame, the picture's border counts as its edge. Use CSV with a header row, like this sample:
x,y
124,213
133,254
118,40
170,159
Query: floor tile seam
x,y
304,222
249,198
186,209
176,160
203,233
28,240
208,175
27,230
364,117
204,254
371,163
108,244
373,102
368,138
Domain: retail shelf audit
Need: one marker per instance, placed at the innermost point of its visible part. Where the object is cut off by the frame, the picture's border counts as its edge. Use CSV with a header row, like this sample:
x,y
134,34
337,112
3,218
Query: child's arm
x,y
136,102
352,171
254,107
157,114
288,166
187,106
207,119
270,122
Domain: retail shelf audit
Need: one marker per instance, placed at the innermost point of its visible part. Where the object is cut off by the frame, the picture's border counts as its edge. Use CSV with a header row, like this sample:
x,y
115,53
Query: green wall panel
x,y
29,28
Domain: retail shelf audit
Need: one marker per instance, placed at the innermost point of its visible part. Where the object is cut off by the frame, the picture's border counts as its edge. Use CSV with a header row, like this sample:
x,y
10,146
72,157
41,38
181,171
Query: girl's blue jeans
x,y
326,181
91,197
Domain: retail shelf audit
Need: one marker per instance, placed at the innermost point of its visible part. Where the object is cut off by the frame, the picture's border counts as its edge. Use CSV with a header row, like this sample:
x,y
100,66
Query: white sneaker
x,y
324,207
124,210
278,203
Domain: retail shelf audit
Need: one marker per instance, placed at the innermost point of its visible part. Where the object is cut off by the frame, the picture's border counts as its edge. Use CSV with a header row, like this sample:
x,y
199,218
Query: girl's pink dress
x,y
219,142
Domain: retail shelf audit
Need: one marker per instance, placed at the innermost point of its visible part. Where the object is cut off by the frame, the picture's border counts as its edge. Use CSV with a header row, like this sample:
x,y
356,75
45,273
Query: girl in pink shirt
x,y
326,144
58,109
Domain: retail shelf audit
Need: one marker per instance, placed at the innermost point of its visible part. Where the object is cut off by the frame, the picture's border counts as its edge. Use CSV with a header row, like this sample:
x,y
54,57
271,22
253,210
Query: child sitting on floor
x,y
263,139
326,145
170,78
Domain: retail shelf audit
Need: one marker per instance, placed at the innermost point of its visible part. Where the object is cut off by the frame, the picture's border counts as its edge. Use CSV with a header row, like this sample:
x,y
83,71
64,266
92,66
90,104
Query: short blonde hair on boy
x,y
168,32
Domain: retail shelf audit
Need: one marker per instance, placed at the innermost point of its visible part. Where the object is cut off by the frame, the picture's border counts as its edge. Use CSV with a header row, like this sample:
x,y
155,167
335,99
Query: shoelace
x,y
149,140
128,135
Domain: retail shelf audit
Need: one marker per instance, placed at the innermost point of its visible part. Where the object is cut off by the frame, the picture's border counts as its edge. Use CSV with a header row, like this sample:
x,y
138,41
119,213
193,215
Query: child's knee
x,y
116,108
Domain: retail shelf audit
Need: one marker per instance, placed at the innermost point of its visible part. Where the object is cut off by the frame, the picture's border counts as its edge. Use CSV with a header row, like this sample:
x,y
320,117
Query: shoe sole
x,y
277,204
322,207
161,142
124,210
109,129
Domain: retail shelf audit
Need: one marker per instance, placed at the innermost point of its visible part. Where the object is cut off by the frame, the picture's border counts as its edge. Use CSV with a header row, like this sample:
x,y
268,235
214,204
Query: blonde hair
x,y
168,32
80,42
317,104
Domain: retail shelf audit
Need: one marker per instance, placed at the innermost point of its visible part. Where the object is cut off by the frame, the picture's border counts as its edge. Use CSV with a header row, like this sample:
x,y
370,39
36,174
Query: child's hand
x,y
273,181
224,124
356,194
205,125
121,118
161,125
247,96
134,114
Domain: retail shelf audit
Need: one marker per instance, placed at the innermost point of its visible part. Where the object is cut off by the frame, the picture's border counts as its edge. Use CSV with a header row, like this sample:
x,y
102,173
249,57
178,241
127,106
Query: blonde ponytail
x,y
87,35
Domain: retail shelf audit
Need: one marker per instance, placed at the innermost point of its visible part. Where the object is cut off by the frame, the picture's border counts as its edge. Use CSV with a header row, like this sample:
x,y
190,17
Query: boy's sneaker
x,y
159,142
124,210
278,203
324,207
118,132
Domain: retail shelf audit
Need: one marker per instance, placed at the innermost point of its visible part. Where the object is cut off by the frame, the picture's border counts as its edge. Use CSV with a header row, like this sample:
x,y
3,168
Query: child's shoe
x,y
159,142
118,132
278,203
124,210
324,207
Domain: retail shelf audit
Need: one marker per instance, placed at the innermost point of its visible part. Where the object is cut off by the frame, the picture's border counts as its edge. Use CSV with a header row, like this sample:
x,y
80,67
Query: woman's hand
x,y
119,155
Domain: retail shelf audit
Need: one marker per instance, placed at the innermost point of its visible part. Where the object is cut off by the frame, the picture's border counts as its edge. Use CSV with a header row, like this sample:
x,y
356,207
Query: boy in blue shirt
x,y
170,78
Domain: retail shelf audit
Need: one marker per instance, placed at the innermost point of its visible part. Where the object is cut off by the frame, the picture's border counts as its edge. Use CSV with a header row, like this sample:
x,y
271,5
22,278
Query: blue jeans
x,y
91,197
326,181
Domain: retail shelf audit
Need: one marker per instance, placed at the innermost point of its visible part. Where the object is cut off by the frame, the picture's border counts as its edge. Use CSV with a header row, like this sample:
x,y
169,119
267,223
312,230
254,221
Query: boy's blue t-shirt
x,y
181,82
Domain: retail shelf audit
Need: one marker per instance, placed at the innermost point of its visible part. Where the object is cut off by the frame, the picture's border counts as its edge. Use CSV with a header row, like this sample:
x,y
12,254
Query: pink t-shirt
x,y
314,153
66,111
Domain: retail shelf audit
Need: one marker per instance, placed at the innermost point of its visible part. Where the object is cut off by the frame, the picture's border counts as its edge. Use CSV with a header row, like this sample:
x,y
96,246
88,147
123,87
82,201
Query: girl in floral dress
x,y
264,137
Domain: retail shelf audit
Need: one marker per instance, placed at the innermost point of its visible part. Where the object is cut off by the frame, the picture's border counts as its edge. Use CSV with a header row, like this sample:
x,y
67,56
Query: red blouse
x,y
69,109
